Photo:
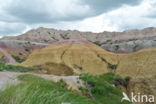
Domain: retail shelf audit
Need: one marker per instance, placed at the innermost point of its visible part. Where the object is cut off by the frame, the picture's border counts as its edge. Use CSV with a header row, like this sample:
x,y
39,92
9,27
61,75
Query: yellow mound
x,y
139,64
78,56
75,57
1,55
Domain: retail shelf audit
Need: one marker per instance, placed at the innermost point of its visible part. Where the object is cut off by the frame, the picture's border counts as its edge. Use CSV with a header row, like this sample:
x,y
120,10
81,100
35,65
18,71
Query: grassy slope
x,y
35,90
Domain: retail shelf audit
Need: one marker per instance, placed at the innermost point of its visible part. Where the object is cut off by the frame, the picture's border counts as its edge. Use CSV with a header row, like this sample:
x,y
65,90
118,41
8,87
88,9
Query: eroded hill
x,y
118,42
74,57
16,51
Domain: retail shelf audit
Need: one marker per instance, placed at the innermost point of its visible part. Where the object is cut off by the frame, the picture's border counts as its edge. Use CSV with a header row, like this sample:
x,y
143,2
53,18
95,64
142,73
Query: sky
x,y
19,16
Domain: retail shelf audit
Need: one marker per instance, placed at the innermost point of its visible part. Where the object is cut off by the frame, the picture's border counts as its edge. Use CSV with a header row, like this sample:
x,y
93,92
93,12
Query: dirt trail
x,y
8,58
10,78
70,80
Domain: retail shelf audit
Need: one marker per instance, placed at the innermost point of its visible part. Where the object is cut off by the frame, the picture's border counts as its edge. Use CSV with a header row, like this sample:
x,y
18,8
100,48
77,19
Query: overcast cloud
x,y
18,16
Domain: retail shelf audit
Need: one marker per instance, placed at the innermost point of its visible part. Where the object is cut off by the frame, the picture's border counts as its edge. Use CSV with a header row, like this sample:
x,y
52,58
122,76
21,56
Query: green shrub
x,y
26,49
135,47
100,87
112,66
18,59
117,47
65,36
108,41
127,79
54,38
45,41
62,83
119,81
132,39
97,43
20,53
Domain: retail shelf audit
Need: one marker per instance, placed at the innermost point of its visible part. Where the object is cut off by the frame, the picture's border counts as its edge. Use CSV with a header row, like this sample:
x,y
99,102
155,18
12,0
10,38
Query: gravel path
x,y
72,81
10,78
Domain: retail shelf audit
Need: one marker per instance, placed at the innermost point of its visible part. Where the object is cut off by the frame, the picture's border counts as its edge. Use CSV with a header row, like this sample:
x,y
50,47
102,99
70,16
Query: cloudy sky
x,y
18,16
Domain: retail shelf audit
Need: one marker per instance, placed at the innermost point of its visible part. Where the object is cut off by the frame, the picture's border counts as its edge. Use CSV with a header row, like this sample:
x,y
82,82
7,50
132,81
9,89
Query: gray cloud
x,y
44,11
101,6
11,28
136,17
27,11
39,11
86,15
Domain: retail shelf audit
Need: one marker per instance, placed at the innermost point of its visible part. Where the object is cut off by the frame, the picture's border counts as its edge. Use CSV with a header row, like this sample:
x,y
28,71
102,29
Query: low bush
x,y
65,36
97,43
119,81
18,59
101,89
117,47
112,66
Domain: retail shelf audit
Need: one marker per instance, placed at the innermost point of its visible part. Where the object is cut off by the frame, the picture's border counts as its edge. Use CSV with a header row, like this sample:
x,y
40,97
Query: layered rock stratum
x,y
118,42
10,49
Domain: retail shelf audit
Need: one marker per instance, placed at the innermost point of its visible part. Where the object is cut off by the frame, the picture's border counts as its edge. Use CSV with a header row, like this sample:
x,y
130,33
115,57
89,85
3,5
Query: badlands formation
x,y
130,54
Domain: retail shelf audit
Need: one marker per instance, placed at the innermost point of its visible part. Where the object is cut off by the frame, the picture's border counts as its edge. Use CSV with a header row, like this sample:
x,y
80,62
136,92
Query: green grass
x,y
18,59
15,68
97,43
111,66
65,36
117,47
101,89
35,90
135,47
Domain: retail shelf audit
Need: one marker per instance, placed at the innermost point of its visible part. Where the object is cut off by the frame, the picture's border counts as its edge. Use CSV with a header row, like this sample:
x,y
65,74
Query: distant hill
x,y
120,42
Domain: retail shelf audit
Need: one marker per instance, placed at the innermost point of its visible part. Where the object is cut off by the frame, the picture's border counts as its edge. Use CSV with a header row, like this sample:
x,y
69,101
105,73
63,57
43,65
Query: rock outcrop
x,y
120,42
17,49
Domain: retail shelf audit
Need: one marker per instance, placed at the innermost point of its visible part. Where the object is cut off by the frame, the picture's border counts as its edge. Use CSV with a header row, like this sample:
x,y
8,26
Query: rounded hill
x,y
76,56
71,57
